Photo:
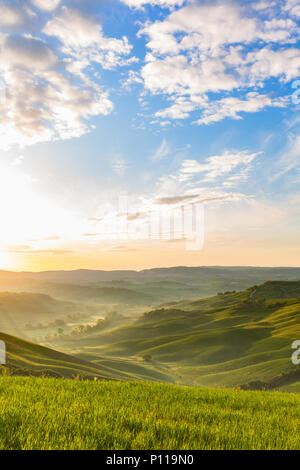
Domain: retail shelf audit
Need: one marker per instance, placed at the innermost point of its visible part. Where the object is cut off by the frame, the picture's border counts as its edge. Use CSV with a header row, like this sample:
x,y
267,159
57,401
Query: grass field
x,y
39,413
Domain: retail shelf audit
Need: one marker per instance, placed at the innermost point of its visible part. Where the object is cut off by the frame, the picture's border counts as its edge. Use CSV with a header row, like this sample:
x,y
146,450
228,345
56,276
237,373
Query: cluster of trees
x,y
41,326
227,292
59,322
87,328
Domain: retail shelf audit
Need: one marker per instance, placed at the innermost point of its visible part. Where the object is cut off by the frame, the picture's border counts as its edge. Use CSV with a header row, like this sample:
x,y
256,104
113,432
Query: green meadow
x,y
39,413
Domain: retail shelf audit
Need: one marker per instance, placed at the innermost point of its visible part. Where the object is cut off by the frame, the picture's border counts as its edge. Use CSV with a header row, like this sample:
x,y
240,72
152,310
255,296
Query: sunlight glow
x,y
27,215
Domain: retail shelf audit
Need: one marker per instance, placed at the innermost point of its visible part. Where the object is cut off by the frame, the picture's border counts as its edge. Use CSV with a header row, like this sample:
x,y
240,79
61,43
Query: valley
x,y
235,338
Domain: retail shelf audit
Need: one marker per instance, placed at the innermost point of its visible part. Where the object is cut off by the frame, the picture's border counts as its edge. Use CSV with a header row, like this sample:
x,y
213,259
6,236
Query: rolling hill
x,y
232,339
26,358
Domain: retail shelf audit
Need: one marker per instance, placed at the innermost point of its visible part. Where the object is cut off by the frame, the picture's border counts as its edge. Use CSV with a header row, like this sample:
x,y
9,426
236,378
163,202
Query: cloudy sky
x,y
122,119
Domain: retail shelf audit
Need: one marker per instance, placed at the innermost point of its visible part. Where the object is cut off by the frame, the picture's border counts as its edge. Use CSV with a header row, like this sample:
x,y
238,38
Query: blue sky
x,y
166,103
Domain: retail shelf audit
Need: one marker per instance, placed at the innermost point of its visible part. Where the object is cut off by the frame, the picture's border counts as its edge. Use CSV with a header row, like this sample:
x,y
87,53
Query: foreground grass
x,y
37,413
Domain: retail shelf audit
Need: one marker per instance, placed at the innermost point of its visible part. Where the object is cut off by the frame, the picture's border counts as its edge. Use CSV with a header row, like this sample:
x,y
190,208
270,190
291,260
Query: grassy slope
x,y
63,414
226,340
28,358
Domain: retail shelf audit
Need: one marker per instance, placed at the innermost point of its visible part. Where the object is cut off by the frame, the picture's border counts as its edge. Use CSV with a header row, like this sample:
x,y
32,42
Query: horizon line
x,y
150,269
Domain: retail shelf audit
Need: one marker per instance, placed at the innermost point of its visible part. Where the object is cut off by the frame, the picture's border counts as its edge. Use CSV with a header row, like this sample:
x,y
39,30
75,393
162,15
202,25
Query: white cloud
x,y
179,110
45,107
204,48
174,74
42,104
232,107
82,38
292,7
218,165
48,5
266,63
132,78
48,94
73,28
15,16
263,5
209,27
9,15
161,3
213,180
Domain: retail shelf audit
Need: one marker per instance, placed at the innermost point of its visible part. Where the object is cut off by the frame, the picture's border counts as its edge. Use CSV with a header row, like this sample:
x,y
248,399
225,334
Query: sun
x,y
27,212
6,261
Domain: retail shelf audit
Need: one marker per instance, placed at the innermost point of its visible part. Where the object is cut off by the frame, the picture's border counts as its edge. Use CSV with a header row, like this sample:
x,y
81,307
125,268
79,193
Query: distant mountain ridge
x,y
87,275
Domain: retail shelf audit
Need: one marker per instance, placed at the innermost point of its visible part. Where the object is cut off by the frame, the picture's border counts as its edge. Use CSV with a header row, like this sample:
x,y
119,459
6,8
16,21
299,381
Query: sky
x,y
136,134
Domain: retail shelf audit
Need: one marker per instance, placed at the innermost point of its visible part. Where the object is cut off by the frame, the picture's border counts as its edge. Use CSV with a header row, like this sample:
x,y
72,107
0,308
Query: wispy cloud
x,y
162,151
289,159
218,165
233,107
28,250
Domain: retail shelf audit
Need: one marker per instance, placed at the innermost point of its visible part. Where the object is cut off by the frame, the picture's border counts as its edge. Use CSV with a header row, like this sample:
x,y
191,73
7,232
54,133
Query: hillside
x,y
234,339
26,358
19,309
64,414
230,339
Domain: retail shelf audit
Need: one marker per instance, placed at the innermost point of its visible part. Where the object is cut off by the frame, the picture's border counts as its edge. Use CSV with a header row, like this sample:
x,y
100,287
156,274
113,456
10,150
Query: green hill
x,y
26,358
230,339
67,414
